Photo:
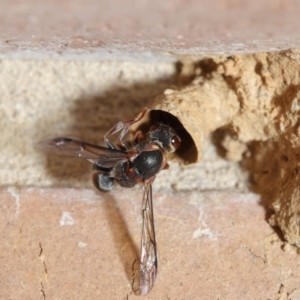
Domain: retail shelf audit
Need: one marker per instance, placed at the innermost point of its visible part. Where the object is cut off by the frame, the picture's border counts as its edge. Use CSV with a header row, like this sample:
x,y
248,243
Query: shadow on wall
x,y
121,235
93,116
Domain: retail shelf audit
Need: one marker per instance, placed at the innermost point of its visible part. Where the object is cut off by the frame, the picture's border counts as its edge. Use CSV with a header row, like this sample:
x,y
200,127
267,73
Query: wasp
x,y
127,166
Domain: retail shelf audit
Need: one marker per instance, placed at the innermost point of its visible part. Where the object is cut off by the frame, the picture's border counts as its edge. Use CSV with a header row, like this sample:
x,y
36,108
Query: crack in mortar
x,y
42,258
285,295
255,255
42,290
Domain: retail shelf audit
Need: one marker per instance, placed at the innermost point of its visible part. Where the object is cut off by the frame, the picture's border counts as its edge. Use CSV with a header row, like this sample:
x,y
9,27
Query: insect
x,y
128,166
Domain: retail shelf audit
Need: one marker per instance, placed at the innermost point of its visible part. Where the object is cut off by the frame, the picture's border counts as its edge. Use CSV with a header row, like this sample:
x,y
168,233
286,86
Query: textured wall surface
x,y
44,99
251,105
98,28
68,243
76,68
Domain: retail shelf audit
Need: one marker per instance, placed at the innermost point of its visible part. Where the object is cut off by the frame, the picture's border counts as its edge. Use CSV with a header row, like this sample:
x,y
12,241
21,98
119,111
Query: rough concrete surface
x,y
77,244
133,27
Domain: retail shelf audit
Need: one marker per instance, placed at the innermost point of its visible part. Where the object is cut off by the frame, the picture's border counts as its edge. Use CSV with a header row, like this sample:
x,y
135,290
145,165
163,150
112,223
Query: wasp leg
x,y
124,126
138,137
166,167
101,179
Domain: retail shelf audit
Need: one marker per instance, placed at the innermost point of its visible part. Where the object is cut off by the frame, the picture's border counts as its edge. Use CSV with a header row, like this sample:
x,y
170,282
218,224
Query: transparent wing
x,y
101,156
148,255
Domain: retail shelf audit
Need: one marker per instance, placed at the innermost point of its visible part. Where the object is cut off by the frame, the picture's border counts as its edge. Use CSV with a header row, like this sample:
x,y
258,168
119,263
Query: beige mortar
x,y
47,98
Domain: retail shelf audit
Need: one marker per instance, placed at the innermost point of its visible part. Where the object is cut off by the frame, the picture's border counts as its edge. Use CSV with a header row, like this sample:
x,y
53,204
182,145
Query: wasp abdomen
x,y
148,163
125,175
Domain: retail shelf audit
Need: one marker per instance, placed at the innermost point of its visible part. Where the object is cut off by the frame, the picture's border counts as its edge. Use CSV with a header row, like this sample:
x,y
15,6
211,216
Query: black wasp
x,y
128,166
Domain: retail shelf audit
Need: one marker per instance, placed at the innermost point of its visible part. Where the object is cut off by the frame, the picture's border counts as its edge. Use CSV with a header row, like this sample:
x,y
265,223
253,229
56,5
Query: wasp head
x,y
165,136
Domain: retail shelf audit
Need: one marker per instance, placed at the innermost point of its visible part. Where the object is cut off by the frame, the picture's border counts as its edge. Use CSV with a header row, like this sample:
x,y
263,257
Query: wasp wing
x,y
101,156
148,254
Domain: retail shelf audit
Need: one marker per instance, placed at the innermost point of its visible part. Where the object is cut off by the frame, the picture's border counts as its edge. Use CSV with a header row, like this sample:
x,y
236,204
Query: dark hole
x,y
187,152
